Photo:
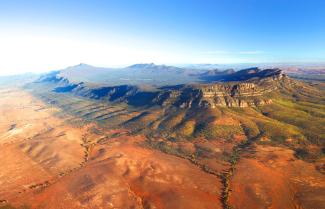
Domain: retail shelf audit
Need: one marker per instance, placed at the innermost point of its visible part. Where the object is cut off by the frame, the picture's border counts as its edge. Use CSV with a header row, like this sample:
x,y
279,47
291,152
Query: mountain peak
x,y
143,65
83,65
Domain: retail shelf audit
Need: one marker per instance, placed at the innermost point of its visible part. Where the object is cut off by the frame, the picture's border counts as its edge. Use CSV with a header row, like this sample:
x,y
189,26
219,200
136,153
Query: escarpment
x,y
235,95
254,91
213,95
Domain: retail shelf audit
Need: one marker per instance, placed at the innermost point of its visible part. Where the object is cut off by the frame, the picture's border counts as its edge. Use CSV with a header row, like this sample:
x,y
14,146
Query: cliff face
x,y
234,95
229,94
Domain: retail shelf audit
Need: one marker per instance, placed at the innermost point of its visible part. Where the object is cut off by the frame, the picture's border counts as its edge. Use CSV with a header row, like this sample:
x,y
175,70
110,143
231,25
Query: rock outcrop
x,y
230,94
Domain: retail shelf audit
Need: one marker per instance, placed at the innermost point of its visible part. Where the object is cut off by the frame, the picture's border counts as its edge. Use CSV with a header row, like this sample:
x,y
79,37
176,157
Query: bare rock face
x,y
252,92
234,95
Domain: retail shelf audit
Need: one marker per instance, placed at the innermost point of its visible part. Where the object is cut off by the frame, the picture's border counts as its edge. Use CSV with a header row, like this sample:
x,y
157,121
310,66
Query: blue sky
x,y
46,35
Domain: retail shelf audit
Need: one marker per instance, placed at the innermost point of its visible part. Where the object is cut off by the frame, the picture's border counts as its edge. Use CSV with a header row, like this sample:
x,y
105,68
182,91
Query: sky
x,y
38,36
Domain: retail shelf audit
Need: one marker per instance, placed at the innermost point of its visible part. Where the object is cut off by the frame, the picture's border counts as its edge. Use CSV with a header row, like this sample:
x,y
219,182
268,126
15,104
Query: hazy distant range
x,y
152,74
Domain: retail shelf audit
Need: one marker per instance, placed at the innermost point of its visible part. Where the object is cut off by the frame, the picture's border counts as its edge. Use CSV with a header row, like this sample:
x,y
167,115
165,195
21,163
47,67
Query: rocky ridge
x,y
229,94
243,93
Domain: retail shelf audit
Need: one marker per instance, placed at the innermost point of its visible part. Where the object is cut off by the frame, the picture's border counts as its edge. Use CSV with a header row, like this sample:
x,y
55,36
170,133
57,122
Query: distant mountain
x,y
137,74
150,74
155,75
215,74
306,73
86,73
203,66
152,68
251,73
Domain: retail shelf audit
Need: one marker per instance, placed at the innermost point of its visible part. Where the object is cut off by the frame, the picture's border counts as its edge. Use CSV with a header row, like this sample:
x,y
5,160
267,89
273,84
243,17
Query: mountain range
x,y
158,136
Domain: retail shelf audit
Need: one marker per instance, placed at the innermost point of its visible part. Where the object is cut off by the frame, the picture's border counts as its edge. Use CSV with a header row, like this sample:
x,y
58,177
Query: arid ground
x,y
49,162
